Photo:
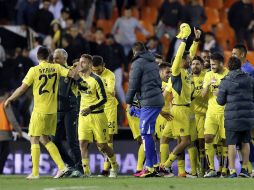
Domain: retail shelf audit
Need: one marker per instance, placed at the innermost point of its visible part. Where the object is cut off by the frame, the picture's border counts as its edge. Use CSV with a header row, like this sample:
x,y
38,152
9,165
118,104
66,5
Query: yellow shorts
x,y
168,130
200,125
181,120
112,120
93,126
42,124
214,124
134,125
159,126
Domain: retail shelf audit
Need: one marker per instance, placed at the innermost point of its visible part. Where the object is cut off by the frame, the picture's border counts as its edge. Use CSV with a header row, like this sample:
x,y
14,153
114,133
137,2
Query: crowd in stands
x,y
110,27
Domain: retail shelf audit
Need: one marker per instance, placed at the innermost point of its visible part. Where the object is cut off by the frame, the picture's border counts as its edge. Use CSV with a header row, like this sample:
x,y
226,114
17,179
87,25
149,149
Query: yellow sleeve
x,y
29,78
193,49
56,37
63,71
176,67
206,80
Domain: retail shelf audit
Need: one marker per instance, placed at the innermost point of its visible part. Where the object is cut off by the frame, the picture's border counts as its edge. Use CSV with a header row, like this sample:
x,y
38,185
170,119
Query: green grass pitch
x,y
124,183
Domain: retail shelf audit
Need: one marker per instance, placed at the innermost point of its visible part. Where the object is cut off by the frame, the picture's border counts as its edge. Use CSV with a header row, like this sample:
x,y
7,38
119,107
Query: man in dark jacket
x,y
67,112
236,91
145,79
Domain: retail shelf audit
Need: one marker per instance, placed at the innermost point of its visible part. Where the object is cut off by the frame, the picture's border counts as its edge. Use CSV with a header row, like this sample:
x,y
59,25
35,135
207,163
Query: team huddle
x,y
188,111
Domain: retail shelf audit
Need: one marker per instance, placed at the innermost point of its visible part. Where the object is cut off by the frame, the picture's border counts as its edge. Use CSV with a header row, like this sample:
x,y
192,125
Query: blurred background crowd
x,y
109,28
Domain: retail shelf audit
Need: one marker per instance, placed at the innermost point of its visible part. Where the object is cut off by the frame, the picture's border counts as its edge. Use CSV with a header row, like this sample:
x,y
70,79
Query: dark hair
x,y
234,63
128,7
164,65
199,59
68,38
39,40
97,61
155,38
43,53
138,46
51,58
242,48
87,56
185,54
217,57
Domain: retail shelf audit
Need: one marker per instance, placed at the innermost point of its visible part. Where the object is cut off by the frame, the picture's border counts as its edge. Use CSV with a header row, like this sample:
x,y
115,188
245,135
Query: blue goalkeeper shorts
x,y
148,116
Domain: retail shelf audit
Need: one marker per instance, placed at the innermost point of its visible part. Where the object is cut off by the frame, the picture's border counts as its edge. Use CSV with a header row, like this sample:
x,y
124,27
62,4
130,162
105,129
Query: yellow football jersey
x,y
44,79
198,103
213,106
166,107
109,81
92,91
181,79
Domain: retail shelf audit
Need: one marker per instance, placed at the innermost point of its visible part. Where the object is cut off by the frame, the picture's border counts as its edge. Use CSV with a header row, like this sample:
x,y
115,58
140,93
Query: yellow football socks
x,y
86,166
35,153
141,157
210,154
193,152
164,152
55,155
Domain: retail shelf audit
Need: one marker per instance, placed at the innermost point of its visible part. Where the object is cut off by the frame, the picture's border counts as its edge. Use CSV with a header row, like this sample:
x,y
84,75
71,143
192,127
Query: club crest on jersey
x,y
181,130
66,80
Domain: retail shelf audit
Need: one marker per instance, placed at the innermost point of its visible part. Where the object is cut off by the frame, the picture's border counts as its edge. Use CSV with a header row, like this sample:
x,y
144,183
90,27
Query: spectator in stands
x,y
42,19
154,45
25,11
194,14
8,122
24,63
99,47
77,44
124,30
170,15
240,51
206,55
37,42
115,65
55,35
103,9
236,91
55,8
241,19
210,43
65,14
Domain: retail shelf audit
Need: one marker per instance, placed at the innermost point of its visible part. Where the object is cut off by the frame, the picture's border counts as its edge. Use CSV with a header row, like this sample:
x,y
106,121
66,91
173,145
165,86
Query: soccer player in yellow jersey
x,y
205,55
110,106
199,106
92,119
44,78
214,122
182,89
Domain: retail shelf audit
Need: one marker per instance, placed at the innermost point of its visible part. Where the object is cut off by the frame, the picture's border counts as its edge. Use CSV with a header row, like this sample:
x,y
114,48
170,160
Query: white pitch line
x,y
71,188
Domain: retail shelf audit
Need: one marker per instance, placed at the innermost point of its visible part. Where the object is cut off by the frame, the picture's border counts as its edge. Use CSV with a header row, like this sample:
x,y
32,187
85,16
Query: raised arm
x,y
194,46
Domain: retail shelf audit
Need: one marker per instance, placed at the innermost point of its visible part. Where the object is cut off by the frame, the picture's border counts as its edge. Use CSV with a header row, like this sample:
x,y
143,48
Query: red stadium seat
x,y
212,16
149,14
154,3
148,26
105,24
228,3
250,57
216,4
225,36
